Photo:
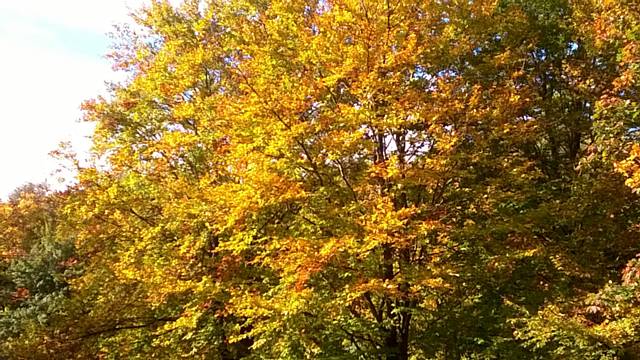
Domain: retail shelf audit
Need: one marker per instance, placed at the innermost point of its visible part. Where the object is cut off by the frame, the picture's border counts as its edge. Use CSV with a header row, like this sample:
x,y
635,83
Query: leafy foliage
x,y
347,180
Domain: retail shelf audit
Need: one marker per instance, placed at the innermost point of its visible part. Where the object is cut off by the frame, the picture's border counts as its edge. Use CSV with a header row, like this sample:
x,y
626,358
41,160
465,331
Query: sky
x,y
51,59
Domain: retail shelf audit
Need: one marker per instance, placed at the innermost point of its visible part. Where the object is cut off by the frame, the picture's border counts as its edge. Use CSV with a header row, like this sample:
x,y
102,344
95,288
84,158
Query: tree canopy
x,y
345,179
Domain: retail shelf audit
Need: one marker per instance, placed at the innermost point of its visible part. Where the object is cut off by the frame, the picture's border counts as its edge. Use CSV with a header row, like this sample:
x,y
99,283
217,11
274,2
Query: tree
x,y
362,179
34,270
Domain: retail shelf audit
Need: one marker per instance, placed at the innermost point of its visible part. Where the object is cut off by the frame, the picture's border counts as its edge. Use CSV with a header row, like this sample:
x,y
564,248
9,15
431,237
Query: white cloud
x,y
91,15
51,61
39,107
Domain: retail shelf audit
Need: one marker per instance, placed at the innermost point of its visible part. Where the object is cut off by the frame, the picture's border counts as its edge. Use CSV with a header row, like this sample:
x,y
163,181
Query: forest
x,y
344,179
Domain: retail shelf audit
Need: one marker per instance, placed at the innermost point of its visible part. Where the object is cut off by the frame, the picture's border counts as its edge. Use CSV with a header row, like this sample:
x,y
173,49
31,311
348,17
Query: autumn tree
x,y
35,265
362,179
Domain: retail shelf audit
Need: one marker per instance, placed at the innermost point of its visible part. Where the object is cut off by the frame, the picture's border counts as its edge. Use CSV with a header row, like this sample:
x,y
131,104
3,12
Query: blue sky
x,y
51,59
